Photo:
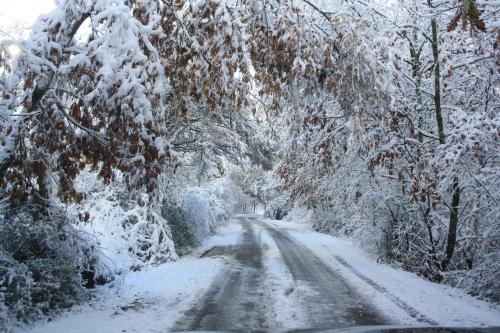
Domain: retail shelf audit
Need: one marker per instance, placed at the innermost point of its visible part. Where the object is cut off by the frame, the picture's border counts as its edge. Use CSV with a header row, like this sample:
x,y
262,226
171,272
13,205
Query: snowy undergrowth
x,y
366,212
203,213
120,226
45,265
299,215
125,237
112,235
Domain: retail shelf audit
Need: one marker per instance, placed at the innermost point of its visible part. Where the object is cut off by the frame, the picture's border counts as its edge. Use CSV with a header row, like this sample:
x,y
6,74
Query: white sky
x,y
16,16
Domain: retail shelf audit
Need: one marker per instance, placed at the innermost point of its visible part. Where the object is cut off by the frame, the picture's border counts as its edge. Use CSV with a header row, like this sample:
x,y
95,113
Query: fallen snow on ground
x,y
146,301
391,289
229,234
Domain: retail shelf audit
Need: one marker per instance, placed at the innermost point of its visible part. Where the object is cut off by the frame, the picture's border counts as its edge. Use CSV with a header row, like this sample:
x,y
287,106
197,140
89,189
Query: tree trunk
x,y
452,227
453,222
437,82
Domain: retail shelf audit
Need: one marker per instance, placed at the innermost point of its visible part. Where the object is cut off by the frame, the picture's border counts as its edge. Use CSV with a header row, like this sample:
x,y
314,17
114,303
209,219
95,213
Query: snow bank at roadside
x,y
147,301
226,235
385,285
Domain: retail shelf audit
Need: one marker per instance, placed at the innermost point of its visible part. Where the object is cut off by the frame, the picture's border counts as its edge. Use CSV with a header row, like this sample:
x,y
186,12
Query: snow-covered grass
x,y
385,285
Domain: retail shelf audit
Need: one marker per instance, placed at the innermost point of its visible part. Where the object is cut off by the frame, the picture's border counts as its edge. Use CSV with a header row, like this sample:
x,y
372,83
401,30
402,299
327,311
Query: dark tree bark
x,y
453,221
452,227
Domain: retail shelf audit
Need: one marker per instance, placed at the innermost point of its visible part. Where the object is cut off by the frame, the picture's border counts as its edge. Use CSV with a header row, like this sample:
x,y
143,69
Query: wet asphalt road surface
x,y
239,298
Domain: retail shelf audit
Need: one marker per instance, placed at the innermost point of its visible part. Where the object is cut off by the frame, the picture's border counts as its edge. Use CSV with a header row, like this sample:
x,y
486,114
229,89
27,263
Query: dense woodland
x,y
152,121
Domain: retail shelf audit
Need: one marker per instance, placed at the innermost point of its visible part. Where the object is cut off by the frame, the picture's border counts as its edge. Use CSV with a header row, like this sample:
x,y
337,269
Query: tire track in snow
x,y
237,298
332,302
411,311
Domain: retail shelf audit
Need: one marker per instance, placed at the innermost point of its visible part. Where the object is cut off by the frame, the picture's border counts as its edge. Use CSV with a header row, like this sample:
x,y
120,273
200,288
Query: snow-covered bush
x,y
203,213
232,196
277,208
299,214
184,240
126,234
152,241
354,208
478,259
196,215
45,265
482,280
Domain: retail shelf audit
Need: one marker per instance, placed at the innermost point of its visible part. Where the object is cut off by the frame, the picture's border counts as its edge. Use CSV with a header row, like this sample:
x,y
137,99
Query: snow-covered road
x,y
240,297
258,274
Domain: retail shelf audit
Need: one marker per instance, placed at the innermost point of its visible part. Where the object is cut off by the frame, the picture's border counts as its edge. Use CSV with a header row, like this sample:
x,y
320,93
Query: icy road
x,y
257,274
